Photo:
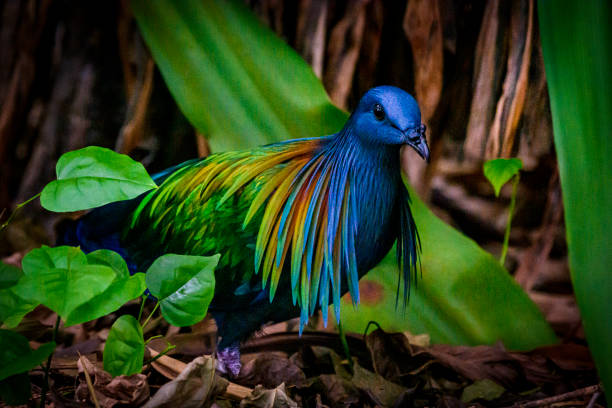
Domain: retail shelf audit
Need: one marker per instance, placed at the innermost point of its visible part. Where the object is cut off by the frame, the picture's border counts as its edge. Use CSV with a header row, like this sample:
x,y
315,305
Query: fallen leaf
x,y
130,390
338,391
482,389
382,392
194,386
264,398
269,370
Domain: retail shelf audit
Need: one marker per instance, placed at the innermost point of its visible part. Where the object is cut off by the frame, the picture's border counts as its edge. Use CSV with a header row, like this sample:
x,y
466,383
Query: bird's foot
x,y
228,360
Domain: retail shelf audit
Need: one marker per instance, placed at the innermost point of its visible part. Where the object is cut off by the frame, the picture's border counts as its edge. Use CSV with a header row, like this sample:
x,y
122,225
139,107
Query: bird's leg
x,y
228,360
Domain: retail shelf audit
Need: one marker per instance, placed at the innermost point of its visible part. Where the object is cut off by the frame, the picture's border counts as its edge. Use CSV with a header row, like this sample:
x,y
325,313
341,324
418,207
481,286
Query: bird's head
x,y
390,116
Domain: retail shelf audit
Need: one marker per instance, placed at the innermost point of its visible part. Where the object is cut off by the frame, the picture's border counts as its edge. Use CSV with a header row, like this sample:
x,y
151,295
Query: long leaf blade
x,y
577,49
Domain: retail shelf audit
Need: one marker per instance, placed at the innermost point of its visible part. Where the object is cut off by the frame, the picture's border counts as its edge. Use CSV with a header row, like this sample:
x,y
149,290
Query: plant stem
x,y
142,303
17,208
150,315
345,346
163,353
47,368
515,182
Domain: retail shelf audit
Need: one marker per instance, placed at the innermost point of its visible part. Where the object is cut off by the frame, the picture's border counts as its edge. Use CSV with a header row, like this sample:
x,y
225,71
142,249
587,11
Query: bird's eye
x,y
379,112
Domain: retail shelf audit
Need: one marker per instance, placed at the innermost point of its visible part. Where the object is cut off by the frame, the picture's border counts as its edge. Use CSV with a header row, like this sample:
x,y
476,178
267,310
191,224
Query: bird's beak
x,y
416,139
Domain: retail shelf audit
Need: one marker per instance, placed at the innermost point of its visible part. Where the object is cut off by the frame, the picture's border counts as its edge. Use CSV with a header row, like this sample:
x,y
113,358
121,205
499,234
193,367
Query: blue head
x,y
389,116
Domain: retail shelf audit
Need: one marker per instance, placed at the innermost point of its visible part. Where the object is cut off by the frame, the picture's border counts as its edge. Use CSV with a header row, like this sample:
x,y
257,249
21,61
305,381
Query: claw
x,y
228,361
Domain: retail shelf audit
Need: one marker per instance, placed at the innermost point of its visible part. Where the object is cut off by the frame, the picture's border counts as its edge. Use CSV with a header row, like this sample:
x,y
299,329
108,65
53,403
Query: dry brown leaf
x,y
269,370
338,390
381,391
194,386
264,398
121,390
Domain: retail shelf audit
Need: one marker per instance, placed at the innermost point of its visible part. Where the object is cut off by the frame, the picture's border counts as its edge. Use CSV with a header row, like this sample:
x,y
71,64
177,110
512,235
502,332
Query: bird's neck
x,y
365,159
375,175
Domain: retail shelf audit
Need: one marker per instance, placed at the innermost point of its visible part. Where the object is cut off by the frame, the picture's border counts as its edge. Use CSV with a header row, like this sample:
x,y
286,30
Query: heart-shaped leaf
x,y
9,275
94,176
61,278
17,356
184,286
124,349
12,307
123,289
499,171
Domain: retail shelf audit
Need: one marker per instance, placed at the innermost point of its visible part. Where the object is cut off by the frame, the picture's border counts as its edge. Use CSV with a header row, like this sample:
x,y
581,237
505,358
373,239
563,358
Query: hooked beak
x,y
416,139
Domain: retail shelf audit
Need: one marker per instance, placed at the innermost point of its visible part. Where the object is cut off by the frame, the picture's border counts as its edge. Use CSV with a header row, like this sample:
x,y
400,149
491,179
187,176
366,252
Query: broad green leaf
x,y
219,62
94,176
577,48
122,289
255,89
124,348
12,307
61,278
500,171
463,296
16,389
17,356
184,286
9,275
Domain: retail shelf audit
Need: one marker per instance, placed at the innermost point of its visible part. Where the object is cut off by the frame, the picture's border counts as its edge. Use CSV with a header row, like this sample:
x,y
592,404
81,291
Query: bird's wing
x,y
295,198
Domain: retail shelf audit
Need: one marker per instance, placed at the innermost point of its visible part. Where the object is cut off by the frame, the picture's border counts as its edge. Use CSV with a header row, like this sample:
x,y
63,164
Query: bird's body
x,y
296,223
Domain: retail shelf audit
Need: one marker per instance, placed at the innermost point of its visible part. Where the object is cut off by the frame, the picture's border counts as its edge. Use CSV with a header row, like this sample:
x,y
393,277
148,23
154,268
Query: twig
x,y
582,392
594,399
17,208
90,386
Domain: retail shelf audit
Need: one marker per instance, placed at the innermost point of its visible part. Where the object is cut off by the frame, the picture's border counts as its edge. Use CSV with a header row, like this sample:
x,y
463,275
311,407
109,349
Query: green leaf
x,y
216,71
16,390
13,308
122,289
217,55
184,286
17,356
61,278
500,171
124,349
92,177
577,49
9,275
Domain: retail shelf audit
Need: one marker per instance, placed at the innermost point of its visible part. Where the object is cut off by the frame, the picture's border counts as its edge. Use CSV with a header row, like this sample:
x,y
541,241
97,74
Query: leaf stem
x,y
142,303
150,315
515,182
47,368
345,346
17,208
163,353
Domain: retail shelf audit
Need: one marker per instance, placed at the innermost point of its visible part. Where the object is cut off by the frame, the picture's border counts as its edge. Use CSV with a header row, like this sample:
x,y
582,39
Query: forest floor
x,y
281,369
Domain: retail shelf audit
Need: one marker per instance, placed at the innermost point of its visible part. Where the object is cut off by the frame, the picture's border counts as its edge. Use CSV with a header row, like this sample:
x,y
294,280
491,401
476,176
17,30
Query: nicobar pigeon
x,y
297,223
